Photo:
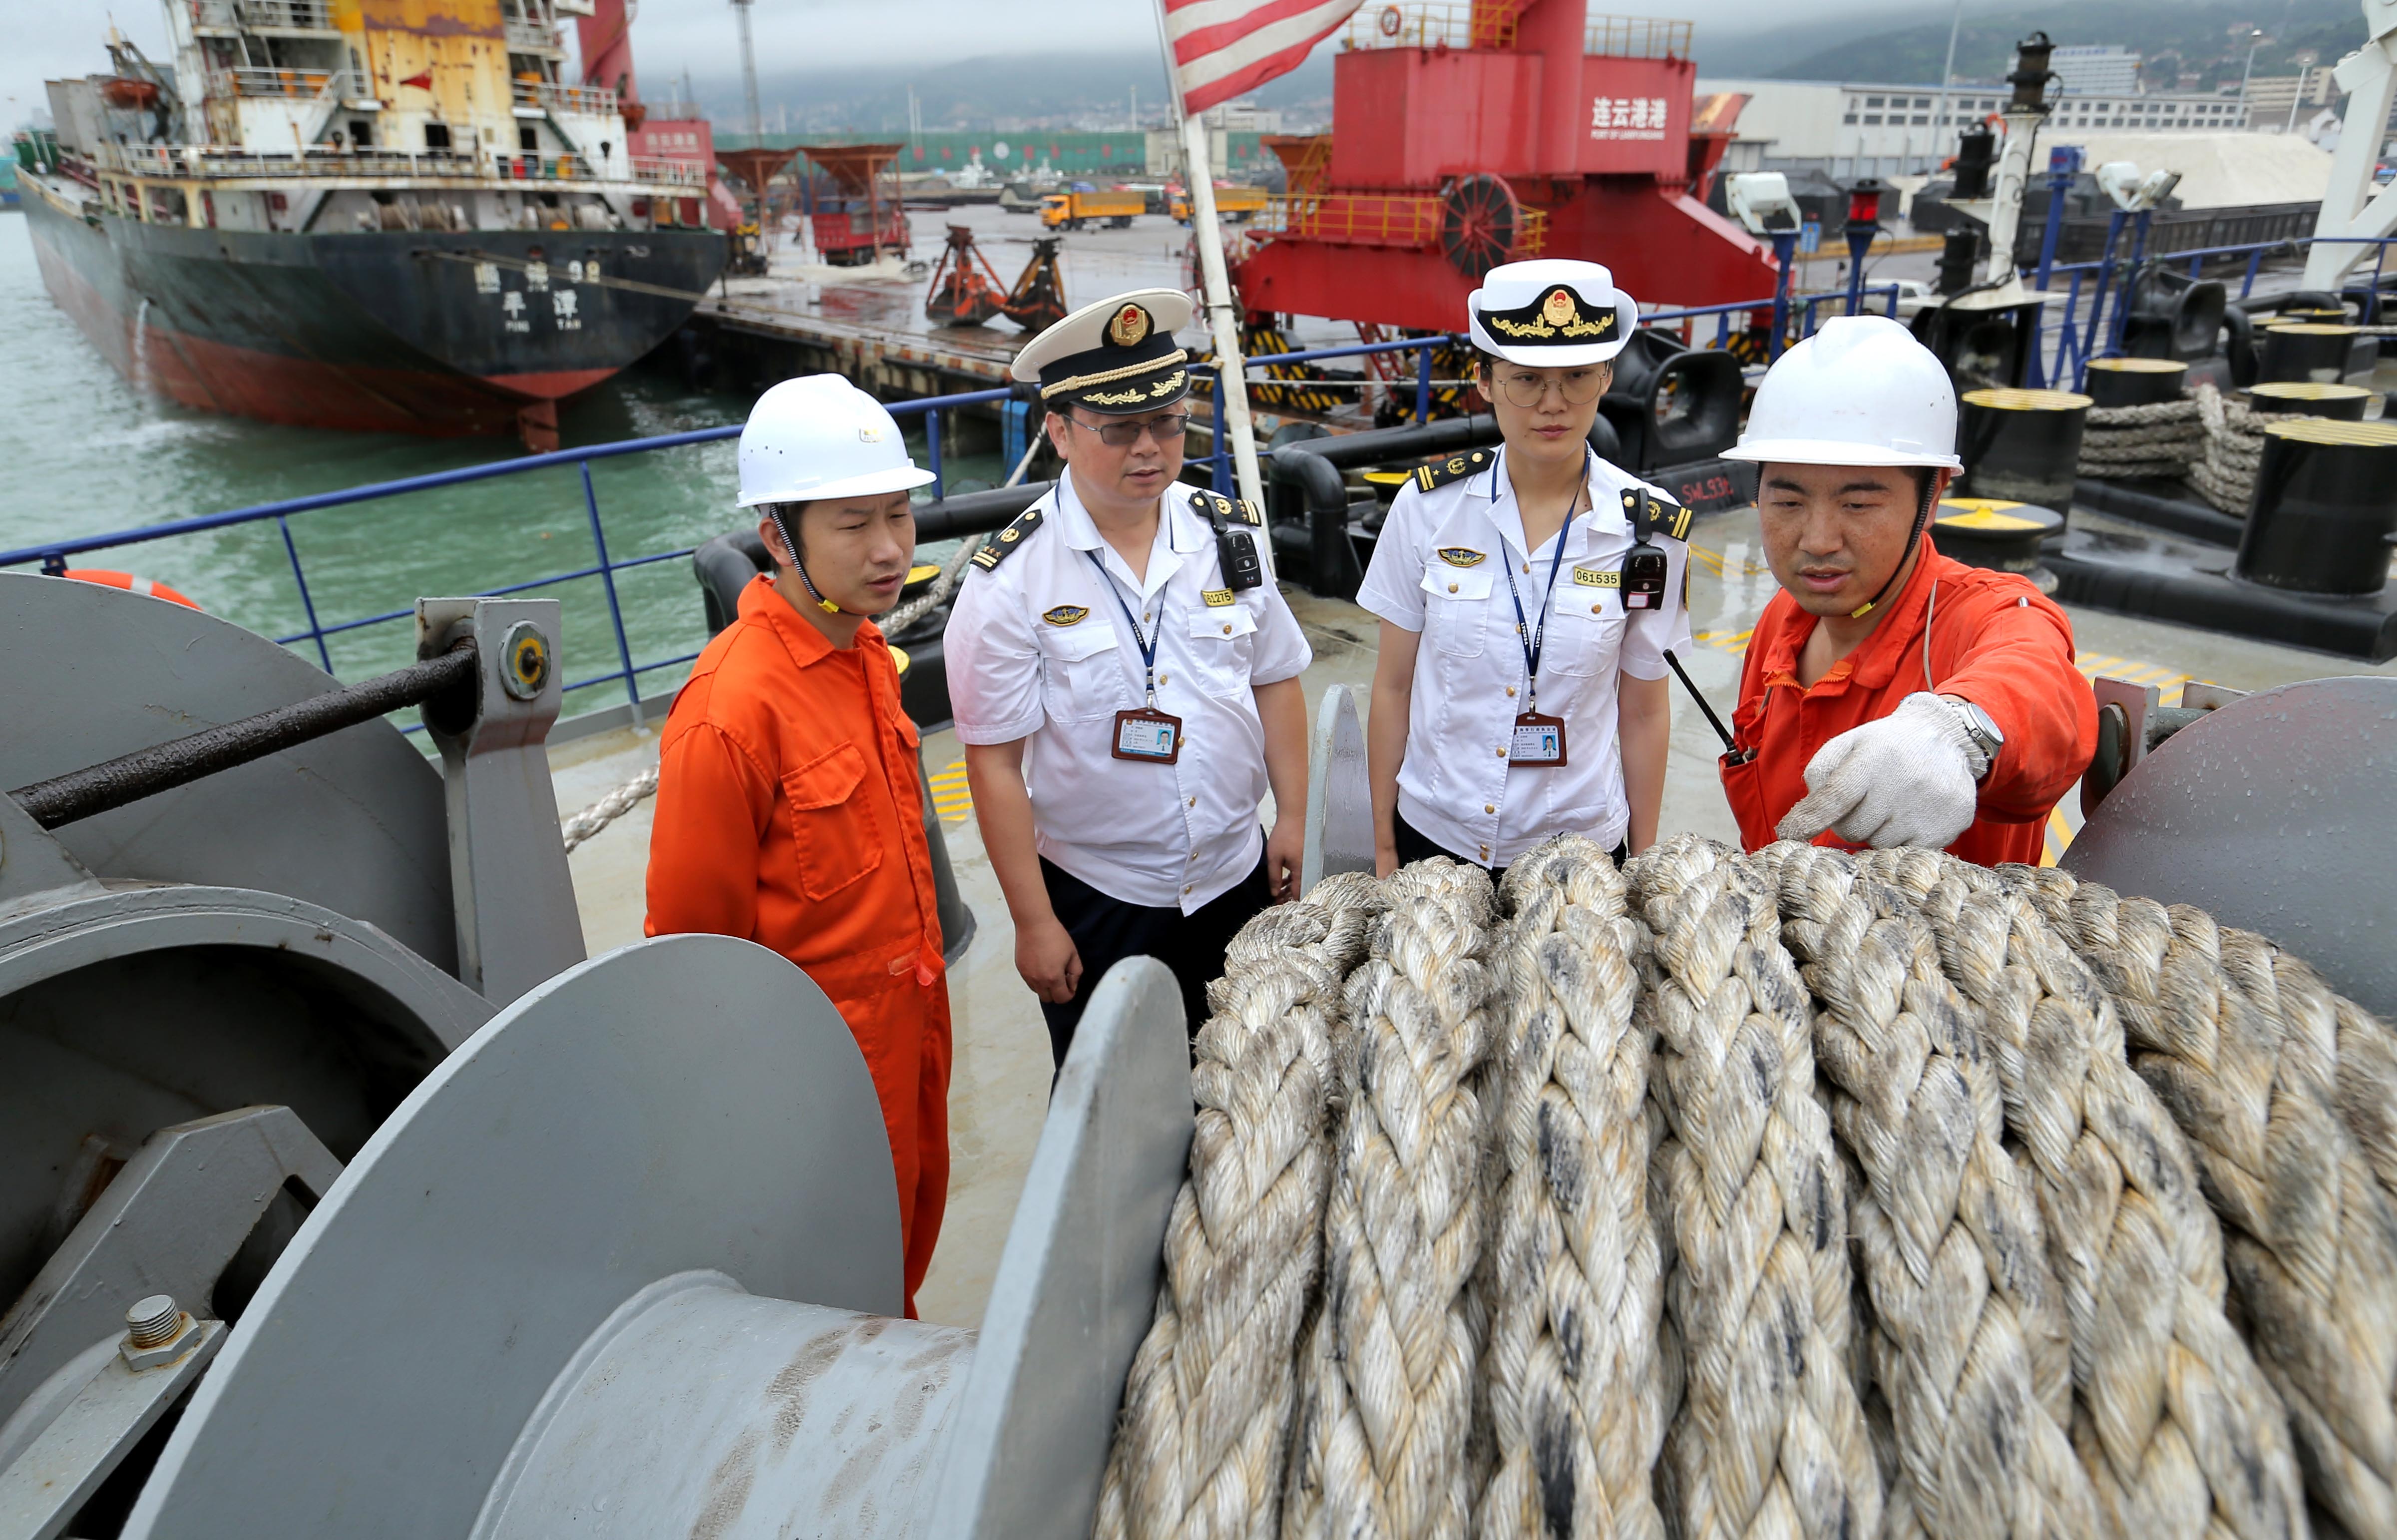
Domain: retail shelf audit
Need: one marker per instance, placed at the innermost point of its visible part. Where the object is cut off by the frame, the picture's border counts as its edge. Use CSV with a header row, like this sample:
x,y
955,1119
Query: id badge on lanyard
x,y
1539,739
1148,735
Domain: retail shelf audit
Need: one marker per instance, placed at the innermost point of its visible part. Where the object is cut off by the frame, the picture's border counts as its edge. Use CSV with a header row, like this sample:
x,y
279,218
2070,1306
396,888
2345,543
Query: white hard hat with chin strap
x,y
818,439
1861,391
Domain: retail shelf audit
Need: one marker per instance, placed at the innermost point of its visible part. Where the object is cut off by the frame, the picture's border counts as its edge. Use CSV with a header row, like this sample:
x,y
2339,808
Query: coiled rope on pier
x,y
2255,1086
2234,450
1577,1396
2180,1432
1388,1369
1209,1396
2161,438
2116,1186
1771,1439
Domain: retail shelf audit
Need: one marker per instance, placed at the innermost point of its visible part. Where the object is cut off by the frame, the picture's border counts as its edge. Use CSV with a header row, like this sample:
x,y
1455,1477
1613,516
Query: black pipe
x,y
82,794
1416,441
977,513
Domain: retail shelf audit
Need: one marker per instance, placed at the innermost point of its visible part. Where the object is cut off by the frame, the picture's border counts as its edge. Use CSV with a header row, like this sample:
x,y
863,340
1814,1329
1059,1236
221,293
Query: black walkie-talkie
x,y
1645,569
1236,547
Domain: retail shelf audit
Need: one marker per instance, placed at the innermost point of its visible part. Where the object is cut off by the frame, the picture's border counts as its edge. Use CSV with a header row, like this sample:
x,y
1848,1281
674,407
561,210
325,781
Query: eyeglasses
x,y
1123,435
1530,387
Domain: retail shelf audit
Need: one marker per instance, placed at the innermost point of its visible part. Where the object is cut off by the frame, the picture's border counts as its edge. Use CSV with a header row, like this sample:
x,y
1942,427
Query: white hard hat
x,y
820,437
1551,314
1859,392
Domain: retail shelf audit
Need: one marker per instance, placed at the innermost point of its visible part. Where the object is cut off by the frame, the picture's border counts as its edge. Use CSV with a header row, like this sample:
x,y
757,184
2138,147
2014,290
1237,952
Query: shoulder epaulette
x,y
1440,473
1651,511
1202,500
990,556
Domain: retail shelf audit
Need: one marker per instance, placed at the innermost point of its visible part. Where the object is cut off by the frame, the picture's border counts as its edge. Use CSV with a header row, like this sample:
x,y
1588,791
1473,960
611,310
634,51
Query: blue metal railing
x,y
2073,351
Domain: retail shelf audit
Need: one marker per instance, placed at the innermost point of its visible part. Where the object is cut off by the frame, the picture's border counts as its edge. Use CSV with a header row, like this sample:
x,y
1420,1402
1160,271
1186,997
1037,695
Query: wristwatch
x,y
1984,732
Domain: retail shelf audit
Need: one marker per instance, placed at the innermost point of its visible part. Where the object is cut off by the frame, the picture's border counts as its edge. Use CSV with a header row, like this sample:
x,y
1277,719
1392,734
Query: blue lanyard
x,y
1147,644
1528,637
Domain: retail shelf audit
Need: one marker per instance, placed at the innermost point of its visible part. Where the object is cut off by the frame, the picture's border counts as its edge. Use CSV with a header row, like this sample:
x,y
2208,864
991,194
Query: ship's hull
x,y
402,332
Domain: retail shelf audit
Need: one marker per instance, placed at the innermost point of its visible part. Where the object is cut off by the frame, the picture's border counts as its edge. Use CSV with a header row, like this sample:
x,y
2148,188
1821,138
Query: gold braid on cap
x,y
1147,366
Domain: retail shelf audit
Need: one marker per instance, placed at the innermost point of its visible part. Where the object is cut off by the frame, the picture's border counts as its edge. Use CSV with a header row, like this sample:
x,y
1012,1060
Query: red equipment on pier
x,y
860,220
1469,134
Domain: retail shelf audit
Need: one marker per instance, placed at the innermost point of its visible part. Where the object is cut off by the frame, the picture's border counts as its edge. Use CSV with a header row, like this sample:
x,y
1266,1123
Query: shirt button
x,y
1596,608
1527,567
1485,853
1227,631
1510,692
1451,588
1502,754
1194,801
1185,888
1489,806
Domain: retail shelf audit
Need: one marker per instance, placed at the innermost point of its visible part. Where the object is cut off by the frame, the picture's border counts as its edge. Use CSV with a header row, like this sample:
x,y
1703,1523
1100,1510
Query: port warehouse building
x,y
1847,129
1011,154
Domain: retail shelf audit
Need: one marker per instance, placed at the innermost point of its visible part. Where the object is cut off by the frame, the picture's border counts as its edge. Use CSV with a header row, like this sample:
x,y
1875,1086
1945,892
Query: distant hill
x,y
1906,44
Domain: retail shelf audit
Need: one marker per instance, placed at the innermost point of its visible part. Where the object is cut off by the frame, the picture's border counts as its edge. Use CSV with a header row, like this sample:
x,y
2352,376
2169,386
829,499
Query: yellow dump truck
x,y
1236,204
1073,210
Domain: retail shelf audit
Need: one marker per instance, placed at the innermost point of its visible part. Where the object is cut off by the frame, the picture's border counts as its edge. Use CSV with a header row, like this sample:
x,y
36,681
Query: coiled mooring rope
x,y
2160,438
1790,1194
1389,1370
2234,448
1209,1398
1771,1439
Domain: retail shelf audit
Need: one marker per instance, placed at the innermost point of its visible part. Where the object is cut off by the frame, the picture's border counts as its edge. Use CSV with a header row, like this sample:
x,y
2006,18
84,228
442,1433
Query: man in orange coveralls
x,y
789,810
1890,695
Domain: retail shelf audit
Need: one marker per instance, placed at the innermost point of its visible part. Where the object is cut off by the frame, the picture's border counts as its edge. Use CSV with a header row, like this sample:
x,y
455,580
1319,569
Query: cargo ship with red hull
x,y
449,243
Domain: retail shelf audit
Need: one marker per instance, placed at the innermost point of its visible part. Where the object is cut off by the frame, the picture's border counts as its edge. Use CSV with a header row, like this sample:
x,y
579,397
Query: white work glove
x,y
1910,778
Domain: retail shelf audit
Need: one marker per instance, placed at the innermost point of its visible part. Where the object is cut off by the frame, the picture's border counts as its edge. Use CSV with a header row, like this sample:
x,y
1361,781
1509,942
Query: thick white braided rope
x,y
579,826
2312,1242
1577,1399
2181,1434
1208,1403
1388,1377
1770,1440
1972,1353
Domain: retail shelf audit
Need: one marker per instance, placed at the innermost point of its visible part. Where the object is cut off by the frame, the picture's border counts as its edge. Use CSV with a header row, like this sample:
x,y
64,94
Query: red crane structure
x,y
1466,133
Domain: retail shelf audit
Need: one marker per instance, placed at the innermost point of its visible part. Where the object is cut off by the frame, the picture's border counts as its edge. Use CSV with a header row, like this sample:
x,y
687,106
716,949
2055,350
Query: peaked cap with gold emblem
x,y
1551,314
1118,355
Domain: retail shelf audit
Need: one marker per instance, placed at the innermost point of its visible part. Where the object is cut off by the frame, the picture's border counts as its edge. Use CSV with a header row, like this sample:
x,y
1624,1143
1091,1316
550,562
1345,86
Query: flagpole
x,y
1222,316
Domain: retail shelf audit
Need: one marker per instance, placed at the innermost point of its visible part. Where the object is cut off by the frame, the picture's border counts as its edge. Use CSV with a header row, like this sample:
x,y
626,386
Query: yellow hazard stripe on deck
x,y
1729,641
2130,670
950,798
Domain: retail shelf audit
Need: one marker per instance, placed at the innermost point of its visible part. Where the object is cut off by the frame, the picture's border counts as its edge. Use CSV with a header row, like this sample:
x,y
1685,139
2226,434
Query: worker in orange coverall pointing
x,y
789,808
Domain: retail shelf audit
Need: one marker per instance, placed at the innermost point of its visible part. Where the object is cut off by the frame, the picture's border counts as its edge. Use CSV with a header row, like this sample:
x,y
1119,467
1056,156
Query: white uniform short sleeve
x,y
1282,649
1393,586
1649,632
993,664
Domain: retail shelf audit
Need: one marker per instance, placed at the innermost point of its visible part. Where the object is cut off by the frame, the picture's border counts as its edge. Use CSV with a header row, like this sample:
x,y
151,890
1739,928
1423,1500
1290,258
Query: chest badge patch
x,y
1217,597
1066,614
1460,555
1598,577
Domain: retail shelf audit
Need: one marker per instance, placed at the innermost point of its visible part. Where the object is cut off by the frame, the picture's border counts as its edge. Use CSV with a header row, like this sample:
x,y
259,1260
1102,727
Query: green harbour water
x,y
83,452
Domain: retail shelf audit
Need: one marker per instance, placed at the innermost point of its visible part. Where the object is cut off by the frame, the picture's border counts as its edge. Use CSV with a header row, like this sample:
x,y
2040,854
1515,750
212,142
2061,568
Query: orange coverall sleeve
x,y
713,808
2018,667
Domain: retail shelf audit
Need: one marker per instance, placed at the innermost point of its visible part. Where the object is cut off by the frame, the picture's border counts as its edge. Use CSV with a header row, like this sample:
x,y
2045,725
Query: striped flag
x,y
1225,48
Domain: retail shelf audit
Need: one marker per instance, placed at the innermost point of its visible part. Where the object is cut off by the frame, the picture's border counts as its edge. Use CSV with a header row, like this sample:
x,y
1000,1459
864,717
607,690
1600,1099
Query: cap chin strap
x,y
774,511
1922,517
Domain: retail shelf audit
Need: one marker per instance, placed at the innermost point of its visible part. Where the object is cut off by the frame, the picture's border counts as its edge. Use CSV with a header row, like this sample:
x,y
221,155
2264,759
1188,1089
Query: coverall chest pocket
x,y
1223,639
1585,631
1079,673
835,820
1456,608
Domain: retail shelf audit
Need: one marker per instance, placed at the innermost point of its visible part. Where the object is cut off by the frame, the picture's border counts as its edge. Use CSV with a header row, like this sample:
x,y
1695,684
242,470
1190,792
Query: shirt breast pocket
x,y
1585,632
1456,608
1222,643
835,820
1080,676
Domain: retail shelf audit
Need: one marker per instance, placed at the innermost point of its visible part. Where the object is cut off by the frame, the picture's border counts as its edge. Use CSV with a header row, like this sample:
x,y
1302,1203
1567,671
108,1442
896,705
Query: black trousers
x,y
1107,931
1414,845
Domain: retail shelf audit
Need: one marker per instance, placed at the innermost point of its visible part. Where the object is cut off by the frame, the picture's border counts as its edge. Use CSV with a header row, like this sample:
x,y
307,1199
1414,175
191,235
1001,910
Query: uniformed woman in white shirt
x,y
1125,677
1527,597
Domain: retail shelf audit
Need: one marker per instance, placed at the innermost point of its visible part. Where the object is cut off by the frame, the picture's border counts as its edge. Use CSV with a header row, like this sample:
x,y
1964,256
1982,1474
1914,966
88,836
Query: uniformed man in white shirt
x,y
1124,675
1527,596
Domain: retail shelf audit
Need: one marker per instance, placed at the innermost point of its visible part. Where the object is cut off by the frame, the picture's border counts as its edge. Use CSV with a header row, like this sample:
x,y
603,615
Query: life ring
x,y
1392,21
130,583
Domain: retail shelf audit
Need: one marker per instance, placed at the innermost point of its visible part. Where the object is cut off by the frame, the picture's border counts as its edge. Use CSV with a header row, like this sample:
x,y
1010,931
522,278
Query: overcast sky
x,y
63,38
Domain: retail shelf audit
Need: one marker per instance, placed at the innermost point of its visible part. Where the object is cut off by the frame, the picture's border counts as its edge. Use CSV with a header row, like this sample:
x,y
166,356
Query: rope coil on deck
x,y
2234,448
1786,1194
2162,438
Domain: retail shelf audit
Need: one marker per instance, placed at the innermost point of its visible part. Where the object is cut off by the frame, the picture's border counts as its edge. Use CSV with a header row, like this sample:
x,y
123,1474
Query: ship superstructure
x,y
365,213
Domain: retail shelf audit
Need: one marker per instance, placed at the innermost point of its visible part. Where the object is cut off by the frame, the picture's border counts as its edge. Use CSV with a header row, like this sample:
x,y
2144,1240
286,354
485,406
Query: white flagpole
x,y
1222,316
